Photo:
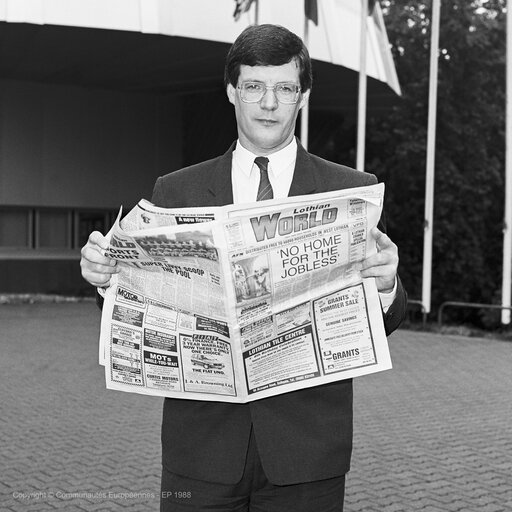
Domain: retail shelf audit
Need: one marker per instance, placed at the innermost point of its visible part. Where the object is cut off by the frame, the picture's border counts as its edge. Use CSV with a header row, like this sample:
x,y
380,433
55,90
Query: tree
x,y
468,208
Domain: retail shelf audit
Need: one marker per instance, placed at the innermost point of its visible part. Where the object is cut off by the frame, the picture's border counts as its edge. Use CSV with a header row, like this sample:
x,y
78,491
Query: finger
x,y
92,253
96,245
384,278
97,274
380,259
383,241
97,271
98,268
99,281
386,271
98,239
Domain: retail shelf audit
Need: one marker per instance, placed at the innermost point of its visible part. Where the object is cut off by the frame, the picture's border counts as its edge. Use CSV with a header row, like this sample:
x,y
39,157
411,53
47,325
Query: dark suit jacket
x,y
301,436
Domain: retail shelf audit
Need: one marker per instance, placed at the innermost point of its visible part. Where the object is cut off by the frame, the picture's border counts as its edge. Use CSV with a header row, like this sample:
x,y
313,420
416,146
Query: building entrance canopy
x,y
179,46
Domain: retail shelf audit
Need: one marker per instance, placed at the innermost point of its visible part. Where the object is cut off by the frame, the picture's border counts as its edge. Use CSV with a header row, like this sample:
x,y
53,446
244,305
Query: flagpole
x,y
507,220
430,172
256,12
361,106
304,114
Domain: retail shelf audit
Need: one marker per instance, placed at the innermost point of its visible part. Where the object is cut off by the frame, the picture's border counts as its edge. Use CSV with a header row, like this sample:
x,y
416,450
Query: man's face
x,y
266,126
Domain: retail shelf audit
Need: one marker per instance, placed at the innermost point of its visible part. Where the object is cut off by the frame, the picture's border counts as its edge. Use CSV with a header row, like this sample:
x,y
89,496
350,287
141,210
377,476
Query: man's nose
x,y
269,100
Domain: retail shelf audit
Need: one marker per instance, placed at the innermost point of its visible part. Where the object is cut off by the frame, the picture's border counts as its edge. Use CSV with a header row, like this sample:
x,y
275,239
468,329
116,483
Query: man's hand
x,y
97,269
383,265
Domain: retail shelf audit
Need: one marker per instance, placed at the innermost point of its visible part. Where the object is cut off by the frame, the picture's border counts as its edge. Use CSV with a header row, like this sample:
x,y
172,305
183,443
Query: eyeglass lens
x,y
252,92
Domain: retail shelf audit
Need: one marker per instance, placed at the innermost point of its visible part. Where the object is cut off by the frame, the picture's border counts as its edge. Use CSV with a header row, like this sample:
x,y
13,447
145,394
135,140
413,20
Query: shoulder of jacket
x,y
191,171
333,169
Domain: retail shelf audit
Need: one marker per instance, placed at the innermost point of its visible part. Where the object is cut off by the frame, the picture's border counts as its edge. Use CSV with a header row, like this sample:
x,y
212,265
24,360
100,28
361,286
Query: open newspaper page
x,y
143,216
164,323
303,314
263,300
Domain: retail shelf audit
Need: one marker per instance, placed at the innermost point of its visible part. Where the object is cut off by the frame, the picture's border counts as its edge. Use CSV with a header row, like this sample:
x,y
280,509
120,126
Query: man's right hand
x,y
97,269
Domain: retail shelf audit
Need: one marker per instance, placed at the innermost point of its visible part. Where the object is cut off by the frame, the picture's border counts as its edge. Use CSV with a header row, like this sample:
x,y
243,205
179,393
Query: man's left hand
x,y
383,265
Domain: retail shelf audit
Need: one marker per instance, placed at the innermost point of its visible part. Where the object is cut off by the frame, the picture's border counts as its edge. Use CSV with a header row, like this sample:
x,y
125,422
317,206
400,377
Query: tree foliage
x,y
470,150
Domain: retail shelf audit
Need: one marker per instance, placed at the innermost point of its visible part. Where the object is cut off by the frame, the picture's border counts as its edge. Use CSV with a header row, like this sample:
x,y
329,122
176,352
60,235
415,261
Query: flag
x,y
241,7
311,10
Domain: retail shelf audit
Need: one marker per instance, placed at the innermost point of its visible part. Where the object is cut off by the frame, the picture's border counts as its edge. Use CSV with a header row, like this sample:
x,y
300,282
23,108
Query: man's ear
x,y
231,92
305,98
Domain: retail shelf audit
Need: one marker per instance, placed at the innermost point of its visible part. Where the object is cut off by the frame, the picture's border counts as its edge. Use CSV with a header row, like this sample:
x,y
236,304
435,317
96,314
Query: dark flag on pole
x,y
311,10
241,7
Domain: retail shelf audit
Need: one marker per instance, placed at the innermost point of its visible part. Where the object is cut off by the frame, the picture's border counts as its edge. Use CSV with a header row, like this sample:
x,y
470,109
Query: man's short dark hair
x,y
267,45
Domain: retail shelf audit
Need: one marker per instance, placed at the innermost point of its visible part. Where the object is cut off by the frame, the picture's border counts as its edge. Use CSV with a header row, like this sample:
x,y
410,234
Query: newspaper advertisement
x,y
242,302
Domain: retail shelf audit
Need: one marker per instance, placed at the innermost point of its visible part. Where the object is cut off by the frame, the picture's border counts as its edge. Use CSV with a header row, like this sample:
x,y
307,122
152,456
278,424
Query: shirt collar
x,y
278,161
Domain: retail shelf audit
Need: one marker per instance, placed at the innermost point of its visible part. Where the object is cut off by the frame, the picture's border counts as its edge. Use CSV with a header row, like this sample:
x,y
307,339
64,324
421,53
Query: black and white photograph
x,y
154,356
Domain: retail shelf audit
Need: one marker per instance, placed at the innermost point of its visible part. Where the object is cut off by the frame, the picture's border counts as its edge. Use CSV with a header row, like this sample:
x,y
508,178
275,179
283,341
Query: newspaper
x,y
243,302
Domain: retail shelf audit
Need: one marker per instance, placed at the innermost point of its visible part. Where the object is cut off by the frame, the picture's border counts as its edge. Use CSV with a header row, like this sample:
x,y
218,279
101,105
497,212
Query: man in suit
x,y
287,453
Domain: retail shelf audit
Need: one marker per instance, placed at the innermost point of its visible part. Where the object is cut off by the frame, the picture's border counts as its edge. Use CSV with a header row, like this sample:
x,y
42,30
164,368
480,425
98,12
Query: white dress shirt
x,y
245,174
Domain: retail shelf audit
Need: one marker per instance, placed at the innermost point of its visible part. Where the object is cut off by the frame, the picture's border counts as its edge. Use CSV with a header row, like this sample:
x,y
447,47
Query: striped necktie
x,y
265,189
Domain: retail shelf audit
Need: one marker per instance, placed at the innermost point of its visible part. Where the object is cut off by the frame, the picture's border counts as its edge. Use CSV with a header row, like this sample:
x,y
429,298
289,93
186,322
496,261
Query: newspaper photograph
x,y
242,302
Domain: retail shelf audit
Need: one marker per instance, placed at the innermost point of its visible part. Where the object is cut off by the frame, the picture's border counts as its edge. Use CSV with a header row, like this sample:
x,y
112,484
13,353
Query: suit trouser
x,y
254,493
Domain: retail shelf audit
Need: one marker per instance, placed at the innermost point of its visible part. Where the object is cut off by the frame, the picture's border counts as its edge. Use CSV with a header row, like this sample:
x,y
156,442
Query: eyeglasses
x,y
253,92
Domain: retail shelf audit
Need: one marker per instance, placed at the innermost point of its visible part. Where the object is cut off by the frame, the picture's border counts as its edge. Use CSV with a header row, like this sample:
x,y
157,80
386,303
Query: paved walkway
x,y
432,435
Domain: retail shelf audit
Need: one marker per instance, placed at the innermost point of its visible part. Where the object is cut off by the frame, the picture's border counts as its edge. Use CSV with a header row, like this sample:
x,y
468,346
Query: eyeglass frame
x,y
273,88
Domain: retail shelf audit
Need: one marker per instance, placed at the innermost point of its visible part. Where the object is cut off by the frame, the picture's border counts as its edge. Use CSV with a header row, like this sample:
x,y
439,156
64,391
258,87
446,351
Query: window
x,y
50,228
15,228
87,222
53,229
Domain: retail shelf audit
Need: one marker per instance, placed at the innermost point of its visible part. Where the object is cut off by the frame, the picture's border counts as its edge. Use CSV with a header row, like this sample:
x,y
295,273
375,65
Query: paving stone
x,y
432,435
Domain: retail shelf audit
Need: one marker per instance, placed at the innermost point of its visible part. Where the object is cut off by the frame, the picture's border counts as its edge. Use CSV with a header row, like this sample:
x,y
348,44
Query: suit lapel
x,y
305,179
220,184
